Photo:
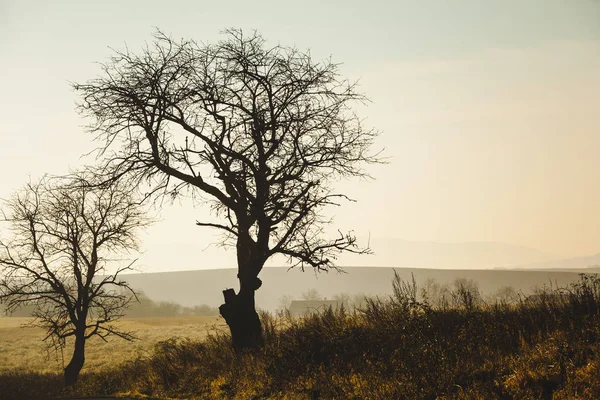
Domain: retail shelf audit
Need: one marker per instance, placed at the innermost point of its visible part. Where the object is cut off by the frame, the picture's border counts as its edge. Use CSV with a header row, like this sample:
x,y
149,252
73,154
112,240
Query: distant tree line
x,y
144,307
147,307
458,293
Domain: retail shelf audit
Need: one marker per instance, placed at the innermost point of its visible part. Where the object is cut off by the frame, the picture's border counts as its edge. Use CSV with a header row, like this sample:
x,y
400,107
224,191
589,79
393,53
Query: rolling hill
x,y
583,264
204,286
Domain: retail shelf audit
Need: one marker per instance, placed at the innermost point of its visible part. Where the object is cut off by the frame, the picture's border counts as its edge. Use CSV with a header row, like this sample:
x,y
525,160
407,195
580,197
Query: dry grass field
x,y
21,347
546,347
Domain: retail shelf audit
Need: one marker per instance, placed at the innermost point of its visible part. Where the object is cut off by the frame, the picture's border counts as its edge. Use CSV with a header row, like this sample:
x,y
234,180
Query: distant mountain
x,y
391,252
583,264
204,286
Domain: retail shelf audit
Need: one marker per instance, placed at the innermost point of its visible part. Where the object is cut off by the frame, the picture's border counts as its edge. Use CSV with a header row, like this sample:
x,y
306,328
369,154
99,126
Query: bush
x,y
400,347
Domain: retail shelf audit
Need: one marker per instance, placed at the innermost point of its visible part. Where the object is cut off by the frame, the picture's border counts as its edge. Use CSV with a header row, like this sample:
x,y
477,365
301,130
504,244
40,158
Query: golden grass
x,y
21,347
395,348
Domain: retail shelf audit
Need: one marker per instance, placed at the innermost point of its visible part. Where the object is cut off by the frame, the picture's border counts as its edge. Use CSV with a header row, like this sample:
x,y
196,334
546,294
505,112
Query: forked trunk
x,y
74,367
239,312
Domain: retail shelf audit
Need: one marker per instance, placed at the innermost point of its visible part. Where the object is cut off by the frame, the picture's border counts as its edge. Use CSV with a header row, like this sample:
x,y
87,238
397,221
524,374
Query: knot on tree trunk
x,y
256,284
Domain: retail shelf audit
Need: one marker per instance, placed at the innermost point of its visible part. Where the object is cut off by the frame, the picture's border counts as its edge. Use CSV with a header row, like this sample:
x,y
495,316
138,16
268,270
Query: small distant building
x,y
299,308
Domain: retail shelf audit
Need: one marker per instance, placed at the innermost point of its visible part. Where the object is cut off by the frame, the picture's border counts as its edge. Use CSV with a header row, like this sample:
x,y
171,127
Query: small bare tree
x,y
260,133
312,294
65,237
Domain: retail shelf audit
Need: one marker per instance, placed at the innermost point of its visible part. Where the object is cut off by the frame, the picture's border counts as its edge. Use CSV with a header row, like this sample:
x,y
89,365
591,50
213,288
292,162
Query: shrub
x,y
399,347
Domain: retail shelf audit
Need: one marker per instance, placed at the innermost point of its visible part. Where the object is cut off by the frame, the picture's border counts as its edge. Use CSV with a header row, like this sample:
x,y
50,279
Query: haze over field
x,y
183,184
488,113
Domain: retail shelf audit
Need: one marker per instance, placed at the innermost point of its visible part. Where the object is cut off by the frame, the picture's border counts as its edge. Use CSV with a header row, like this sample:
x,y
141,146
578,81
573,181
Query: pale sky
x,y
489,110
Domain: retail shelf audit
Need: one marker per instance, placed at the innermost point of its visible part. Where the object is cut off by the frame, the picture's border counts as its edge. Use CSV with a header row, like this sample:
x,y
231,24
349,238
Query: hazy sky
x,y
490,110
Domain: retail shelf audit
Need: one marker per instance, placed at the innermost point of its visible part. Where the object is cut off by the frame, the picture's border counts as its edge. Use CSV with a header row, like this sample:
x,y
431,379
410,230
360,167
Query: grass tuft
x,y
543,347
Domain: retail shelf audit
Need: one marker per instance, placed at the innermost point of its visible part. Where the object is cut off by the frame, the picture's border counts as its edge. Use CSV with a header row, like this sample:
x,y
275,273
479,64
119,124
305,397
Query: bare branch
x,y
64,234
263,133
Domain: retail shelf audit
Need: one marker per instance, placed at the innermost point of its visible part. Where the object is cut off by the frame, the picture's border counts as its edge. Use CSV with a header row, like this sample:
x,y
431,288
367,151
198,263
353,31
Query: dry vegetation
x,y
547,347
21,346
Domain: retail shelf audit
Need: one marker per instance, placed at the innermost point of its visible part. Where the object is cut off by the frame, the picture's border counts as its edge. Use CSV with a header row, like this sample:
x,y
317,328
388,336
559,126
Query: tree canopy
x,y
260,133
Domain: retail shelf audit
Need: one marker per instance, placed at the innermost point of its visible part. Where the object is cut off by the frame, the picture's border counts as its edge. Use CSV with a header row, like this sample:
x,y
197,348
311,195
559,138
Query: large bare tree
x,y
261,133
62,257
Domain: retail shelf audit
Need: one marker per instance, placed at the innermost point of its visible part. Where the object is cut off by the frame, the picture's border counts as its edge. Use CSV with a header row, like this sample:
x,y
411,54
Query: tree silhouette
x,y
311,294
260,133
65,234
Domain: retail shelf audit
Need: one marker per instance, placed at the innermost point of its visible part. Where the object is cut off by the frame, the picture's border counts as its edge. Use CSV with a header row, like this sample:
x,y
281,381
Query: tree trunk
x,y
239,312
74,367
